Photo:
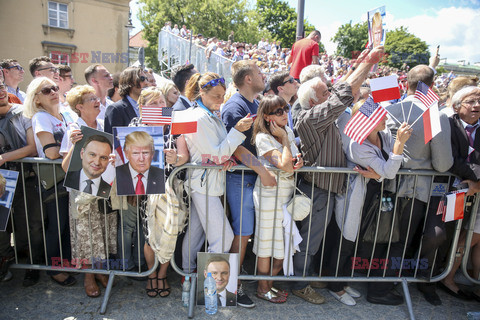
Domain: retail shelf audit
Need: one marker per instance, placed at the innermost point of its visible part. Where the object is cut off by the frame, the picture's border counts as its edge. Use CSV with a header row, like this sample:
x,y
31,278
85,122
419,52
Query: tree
x,y
351,39
211,18
404,47
281,21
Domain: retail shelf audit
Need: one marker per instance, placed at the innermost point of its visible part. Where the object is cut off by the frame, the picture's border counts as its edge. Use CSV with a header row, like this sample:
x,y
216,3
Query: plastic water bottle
x,y
390,204
186,291
210,289
384,205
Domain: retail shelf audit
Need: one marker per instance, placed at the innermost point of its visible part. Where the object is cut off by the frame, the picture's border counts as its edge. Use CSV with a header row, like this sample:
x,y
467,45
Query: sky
x,y
452,24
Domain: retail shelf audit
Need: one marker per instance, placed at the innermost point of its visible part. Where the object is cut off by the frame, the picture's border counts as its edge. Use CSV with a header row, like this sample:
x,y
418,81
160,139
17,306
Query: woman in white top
x,y
275,143
211,144
42,106
88,227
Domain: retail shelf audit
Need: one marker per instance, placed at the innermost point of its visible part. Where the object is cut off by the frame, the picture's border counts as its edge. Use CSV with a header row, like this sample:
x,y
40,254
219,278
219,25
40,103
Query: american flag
x,y
365,120
425,94
156,115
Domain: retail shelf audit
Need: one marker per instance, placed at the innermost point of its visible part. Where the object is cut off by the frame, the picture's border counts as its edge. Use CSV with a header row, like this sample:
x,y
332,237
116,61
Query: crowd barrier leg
x,y
408,299
193,289
468,241
108,291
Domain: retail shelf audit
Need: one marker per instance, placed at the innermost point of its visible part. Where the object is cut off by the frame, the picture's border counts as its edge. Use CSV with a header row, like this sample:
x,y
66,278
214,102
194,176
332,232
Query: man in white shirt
x,y
101,80
13,75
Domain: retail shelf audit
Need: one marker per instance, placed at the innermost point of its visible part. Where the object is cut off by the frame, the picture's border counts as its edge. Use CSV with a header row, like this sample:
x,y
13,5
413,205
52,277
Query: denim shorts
x,y
246,209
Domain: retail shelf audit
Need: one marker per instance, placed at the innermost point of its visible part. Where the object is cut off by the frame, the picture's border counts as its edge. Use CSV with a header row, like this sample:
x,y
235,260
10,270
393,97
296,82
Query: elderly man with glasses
x,y
13,75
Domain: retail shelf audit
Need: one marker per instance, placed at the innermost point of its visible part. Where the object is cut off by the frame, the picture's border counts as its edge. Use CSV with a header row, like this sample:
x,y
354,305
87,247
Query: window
x,y
59,57
57,15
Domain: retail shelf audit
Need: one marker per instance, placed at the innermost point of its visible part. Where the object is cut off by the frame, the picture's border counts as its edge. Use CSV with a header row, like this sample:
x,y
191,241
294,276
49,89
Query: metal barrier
x,y
174,50
414,276
468,239
61,263
402,275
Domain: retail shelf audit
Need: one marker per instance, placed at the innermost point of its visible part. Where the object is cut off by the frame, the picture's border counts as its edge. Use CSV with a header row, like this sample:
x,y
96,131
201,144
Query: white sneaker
x,y
345,298
352,292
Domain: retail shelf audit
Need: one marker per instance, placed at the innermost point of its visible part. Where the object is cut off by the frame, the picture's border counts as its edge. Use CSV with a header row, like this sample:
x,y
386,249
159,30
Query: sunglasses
x,y
48,90
19,68
52,69
291,80
142,78
214,82
279,112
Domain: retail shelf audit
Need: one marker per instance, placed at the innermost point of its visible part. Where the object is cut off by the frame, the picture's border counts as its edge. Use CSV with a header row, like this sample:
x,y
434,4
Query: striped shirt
x,y
320,140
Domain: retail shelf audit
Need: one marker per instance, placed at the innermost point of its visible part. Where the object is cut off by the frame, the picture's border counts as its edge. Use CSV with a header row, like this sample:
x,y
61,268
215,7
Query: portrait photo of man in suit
x,y
138,176
219,267
95,156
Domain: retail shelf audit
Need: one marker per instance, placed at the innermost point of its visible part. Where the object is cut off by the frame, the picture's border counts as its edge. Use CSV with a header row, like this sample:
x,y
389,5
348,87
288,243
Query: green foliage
x,y
403,47
351,38
281,21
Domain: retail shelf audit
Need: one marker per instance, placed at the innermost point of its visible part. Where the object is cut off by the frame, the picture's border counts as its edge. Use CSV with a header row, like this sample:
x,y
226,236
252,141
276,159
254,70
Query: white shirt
x,y
134,174
83,183
223,297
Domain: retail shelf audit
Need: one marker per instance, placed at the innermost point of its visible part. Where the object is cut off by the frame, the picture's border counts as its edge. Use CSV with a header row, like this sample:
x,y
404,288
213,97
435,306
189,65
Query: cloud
x,y
456,30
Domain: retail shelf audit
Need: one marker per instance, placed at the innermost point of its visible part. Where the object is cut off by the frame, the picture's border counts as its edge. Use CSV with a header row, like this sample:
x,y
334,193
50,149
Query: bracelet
x,y
176,160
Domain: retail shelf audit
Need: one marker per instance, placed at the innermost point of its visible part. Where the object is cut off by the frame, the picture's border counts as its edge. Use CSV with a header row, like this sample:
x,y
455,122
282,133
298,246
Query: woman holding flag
x,y
209,145
376,149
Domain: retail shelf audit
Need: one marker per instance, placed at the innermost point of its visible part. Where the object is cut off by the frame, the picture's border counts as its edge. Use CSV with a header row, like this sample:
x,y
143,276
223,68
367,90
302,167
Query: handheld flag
x,y
365,120
455,204
431,122
156,116
183,122
425,94
385,88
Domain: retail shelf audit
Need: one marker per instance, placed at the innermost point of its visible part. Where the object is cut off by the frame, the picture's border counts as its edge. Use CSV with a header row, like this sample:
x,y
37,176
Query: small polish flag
x,y
385,88
183,122
431,122
455,204
470,150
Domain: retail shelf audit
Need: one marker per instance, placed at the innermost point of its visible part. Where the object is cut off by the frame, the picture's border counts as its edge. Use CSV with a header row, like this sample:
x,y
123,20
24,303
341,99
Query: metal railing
x,y
174,50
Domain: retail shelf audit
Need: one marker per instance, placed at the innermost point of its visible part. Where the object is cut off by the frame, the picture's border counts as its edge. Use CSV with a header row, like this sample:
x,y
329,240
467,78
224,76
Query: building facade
x,y
74,32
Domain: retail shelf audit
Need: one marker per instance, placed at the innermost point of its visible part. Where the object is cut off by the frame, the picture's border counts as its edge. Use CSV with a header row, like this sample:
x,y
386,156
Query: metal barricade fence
x,y
174,50
48,244
467,245
29,181
409,266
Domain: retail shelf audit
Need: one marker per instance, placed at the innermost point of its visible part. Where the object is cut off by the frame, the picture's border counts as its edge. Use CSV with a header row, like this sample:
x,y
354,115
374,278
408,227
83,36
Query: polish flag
x,y
385,88
183,122
455,204
431,122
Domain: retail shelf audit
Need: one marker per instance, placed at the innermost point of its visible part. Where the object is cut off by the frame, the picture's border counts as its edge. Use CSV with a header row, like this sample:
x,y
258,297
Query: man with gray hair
x,y
310,94
312,71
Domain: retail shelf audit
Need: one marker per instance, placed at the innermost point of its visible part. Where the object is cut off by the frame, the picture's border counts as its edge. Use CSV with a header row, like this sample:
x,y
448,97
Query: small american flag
x,y
425,94
156,115
365,120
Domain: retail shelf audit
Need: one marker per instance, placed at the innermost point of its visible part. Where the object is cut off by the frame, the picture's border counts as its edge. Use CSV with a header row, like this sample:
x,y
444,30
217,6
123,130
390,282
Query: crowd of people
x,y
295,119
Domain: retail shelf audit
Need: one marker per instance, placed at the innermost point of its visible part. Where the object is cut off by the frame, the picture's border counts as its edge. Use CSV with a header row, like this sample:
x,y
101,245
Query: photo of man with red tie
x,y
137,176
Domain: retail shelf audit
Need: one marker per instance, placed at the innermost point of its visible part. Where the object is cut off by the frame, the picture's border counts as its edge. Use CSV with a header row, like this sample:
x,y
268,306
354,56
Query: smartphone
x,y
253,116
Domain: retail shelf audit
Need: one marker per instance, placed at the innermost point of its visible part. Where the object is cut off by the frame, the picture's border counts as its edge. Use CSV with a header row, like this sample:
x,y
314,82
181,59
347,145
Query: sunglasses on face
x,y
51,69
279,112
19,68
291,80
48,90
142,78
214,82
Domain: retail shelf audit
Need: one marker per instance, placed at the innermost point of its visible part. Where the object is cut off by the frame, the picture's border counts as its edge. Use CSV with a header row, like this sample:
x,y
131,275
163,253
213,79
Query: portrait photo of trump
x,y
91,158
137,176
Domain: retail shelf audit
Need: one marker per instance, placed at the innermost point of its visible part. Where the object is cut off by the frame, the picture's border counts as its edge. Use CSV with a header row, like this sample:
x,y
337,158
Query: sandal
x,y
270,296
280,292
152,289
167,290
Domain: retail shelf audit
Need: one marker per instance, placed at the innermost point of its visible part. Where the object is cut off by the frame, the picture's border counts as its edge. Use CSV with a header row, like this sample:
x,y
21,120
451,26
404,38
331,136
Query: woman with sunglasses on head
x,y
275,143
88,224
210,145
42,106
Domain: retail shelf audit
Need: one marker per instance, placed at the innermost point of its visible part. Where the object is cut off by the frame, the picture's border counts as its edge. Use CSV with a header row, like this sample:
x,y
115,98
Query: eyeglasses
x,y
48,90
51,69
19,68
214,82
472,102
92,99
142,78
279,112
291,80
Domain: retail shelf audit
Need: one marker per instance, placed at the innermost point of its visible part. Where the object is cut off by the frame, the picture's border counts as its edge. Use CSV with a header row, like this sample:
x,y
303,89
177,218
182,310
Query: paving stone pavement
x,y
47,300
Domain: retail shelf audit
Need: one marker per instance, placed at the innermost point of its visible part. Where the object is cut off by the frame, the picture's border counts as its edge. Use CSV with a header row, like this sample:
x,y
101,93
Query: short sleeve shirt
x,y
302,52
45,122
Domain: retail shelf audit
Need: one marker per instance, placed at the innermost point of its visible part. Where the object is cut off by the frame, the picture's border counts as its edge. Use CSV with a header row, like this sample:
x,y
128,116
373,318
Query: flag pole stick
x,y
416,120
391,115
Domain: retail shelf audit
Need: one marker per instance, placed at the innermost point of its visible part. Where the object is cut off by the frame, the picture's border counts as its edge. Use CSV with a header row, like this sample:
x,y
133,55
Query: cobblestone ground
x,y
47,300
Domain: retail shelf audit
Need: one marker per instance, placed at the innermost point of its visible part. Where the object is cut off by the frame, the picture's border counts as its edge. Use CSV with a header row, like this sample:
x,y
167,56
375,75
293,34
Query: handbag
x,y
299,206
379,223
46,175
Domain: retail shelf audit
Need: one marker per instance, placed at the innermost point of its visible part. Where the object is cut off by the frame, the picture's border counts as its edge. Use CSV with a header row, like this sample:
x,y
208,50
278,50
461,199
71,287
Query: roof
x,y
137,41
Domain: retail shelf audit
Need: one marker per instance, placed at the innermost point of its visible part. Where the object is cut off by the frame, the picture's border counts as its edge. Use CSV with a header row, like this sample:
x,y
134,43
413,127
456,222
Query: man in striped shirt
x,y
321,145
